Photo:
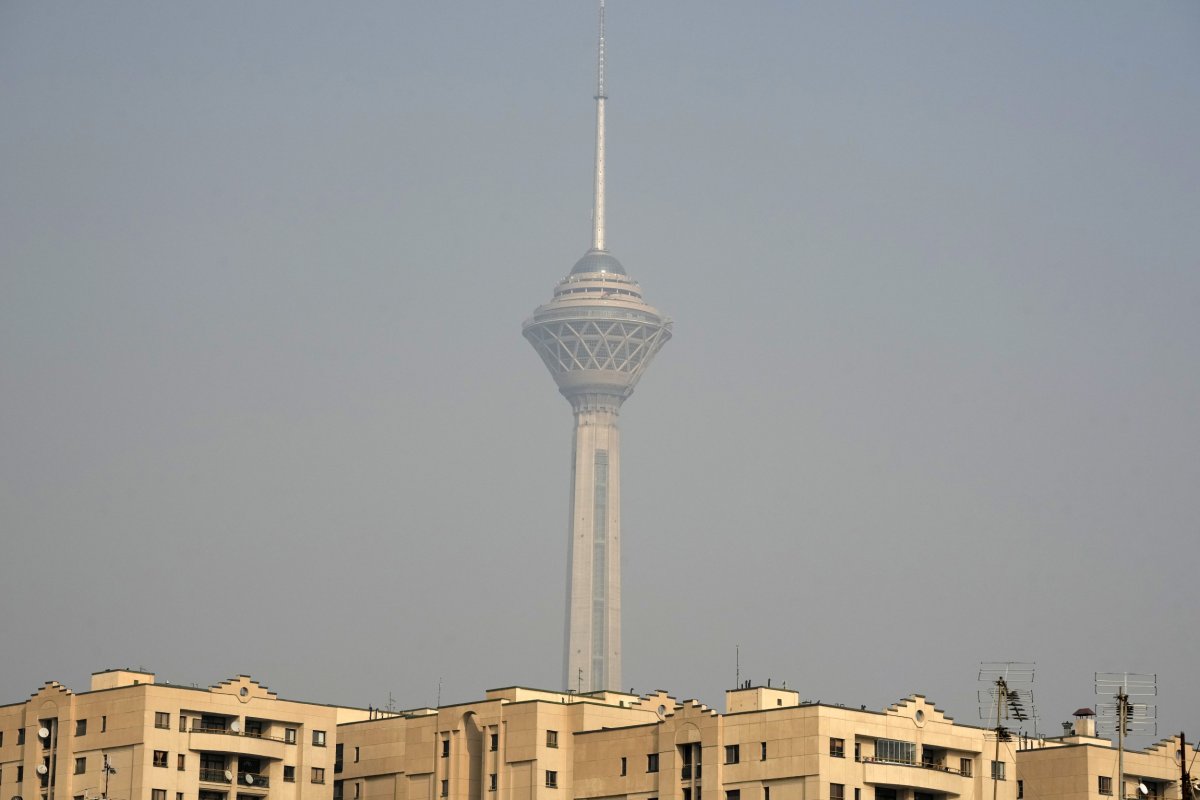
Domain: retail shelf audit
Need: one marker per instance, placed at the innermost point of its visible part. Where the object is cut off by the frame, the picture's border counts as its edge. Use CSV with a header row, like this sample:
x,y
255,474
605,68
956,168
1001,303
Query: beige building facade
x,y
1083,766
143,740
522,744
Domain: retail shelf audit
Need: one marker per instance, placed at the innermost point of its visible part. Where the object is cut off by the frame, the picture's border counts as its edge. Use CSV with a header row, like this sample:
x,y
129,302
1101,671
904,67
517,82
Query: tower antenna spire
x,y
601,96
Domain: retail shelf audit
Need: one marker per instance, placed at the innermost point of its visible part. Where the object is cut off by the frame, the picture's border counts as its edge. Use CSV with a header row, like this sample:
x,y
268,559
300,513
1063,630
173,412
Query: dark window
x,y
103,724
762,751
495,740
965,767
624,764
337,757
179,796
766,793
652,762
289,735
81,727
20,772
445,788
318,738
289,774
445,748
997,770
254,727
160,758
837,791
80,766
857,751
733,794
551,738
1020,789
857,793
1105,786
551,779
492,782
183,723
158,794
318,775
837,748
357,790
162,720
20,736
179,762
732,753
356,755
338,789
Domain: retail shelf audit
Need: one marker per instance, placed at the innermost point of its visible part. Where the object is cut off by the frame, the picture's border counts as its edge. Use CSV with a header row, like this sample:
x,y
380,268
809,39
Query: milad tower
x,y
597,336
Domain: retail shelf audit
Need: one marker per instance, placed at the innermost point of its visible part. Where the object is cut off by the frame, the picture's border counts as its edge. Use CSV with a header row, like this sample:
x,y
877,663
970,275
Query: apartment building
x,y
130,738
523,744
1083,766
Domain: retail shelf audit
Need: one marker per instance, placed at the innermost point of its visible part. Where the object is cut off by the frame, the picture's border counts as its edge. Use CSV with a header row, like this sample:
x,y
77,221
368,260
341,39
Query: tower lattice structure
x,y
597,336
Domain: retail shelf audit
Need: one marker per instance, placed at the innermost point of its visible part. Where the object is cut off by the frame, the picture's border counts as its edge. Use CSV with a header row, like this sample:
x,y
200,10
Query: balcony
x,y
219,740
255,780
213,776
925,778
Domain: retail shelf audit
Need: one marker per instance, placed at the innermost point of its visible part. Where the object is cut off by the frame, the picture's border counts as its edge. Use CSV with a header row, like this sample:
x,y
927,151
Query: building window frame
x,y
652,762
158,794
445,792
162,720
317,775
1104,785
160,758
966,767
289,773
837,748
551,779
493,781
181,762
289,735
318,738
81,727
80,765
998,771
733,754
837,791
552,739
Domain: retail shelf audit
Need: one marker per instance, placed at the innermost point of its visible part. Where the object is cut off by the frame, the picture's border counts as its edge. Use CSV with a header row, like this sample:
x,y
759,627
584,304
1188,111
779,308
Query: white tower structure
x,y
597,336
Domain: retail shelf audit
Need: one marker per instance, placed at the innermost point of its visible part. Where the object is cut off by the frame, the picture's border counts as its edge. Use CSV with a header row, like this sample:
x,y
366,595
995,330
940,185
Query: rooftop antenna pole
x,y
1125,716
737,655
1009,697
601,96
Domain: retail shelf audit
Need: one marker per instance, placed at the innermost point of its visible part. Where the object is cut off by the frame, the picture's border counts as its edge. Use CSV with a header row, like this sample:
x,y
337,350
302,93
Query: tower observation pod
x,y
597,336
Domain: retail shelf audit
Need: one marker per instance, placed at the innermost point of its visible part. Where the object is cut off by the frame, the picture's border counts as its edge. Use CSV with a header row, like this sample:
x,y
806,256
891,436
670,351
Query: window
x,y
1105,786
857,793
551,738
733,794
997,770
837,791
965,767
356,755
20,772
495,742
254,727
20,736
624,765
766,793
180,760
160,758
318,738
289,735
895,752
103,723
652,762
289,774
337,757
183,723
1,738
445,748
162,720
837,748
81,727
158,794
357,790
551,779
762,751
858,751
179,796
318,775
732,753
1020,788
445,788
80,766
338,790
492,782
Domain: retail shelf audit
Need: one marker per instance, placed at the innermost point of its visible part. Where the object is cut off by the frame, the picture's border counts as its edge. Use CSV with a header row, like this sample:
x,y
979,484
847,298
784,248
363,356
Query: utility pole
x,y
1185,778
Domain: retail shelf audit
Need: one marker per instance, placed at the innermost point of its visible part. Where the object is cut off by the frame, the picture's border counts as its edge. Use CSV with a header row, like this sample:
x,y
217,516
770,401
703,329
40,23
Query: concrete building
x,y
597,336
1083,766
130,738
521,744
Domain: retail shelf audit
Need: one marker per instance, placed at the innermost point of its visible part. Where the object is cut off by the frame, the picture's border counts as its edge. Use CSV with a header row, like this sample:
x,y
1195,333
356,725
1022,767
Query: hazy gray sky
x,y
933,396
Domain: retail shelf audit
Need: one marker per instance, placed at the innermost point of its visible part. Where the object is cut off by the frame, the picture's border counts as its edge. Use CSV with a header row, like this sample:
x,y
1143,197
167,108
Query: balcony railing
x,y
253,779
213,776
902,763
214,729
685,774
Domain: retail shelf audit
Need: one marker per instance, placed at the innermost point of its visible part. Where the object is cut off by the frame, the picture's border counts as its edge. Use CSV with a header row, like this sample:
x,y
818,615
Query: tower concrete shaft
x,y
596,336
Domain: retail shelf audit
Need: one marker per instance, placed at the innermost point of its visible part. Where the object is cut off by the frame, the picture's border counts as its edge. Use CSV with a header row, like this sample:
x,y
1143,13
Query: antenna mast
x,y
601,96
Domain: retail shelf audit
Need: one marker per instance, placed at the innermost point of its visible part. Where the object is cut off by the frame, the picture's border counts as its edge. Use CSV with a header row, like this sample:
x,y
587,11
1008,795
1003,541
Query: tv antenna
x,y
1122,716
1007,698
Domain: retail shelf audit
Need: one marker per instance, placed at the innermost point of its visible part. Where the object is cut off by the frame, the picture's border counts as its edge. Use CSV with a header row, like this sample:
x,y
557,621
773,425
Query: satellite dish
x,y
42,769
228,775
235,726
43,733
248,778
1142,788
